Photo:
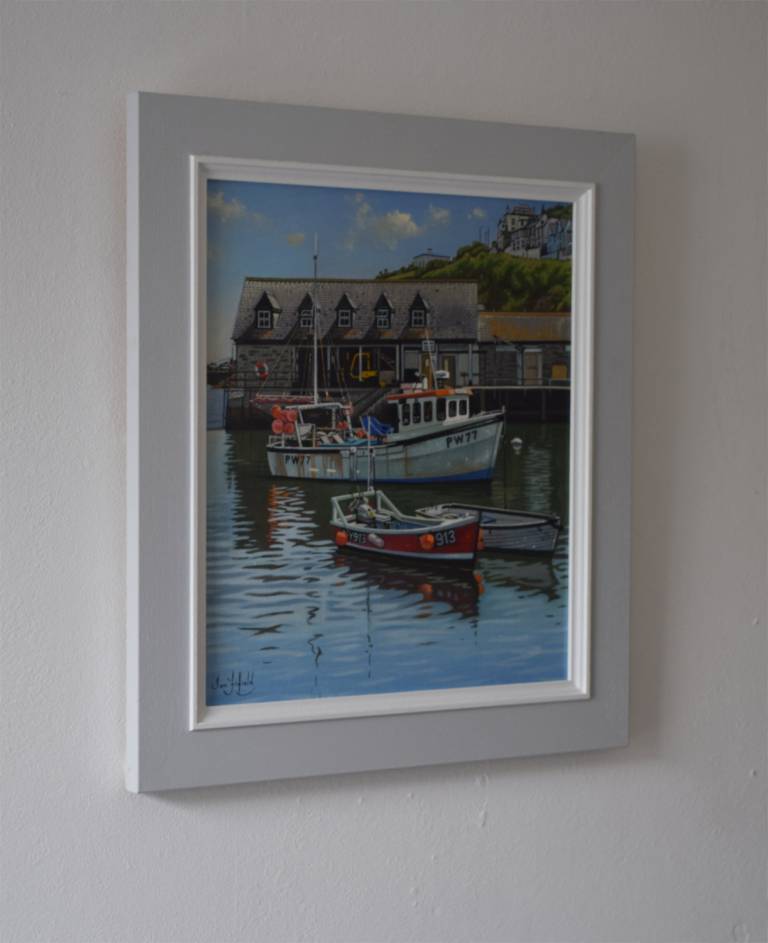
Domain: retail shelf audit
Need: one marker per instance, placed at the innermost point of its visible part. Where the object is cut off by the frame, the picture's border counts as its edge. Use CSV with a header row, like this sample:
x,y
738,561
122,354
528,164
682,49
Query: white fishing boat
x,y
433,438
426,432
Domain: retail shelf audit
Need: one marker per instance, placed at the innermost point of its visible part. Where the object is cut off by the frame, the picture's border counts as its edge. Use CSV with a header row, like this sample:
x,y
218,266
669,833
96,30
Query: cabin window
x,y
345,317
463,407
418,317
426,410
264,319
406,414
416,411
440,410
305,318
451,408
383,319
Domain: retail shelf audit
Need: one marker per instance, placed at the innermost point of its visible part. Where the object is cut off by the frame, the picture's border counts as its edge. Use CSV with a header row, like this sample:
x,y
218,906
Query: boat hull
x,y
460,452
452,542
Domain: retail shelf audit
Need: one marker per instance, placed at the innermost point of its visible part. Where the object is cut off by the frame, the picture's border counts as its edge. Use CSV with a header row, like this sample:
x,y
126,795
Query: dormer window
x,y
267,311
419,309
305,318
383,319
345,311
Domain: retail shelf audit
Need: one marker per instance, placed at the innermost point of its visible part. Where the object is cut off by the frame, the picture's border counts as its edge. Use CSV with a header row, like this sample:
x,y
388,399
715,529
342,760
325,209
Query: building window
x,y
383,319
264,319
305,318
418,317
345,317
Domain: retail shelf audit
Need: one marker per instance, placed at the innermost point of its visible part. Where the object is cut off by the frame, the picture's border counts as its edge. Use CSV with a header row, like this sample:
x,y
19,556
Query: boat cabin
x,y
429,408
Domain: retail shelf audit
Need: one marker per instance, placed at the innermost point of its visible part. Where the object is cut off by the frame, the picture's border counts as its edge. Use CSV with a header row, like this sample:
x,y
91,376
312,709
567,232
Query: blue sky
x,y
267,230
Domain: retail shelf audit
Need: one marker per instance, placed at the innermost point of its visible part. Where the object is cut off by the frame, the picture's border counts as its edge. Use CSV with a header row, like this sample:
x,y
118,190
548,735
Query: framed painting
x,y
379,429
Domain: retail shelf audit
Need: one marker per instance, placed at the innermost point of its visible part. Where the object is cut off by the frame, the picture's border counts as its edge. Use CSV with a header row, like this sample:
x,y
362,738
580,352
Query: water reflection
x,y
290,616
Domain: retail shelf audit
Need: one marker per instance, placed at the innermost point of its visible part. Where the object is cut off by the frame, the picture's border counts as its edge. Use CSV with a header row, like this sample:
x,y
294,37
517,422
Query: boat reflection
x,y
459,588
528,575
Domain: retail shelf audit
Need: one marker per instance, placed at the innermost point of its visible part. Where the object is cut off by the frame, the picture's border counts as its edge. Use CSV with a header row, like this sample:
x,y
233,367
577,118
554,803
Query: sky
x,y
267,230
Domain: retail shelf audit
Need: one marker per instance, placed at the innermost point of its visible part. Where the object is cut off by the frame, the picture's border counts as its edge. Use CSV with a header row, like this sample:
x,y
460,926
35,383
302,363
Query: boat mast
x,y
314,326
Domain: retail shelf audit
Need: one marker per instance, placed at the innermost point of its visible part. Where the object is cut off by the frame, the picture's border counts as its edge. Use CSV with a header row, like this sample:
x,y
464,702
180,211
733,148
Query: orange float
x,y
342,538
277,426
276,412
427,541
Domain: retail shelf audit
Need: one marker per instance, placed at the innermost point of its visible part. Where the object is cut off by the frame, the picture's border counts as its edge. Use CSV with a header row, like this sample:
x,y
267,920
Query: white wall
x,y
662,841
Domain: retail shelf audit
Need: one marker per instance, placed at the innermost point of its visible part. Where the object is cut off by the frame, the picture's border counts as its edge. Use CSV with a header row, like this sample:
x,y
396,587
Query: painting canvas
x,y
387,444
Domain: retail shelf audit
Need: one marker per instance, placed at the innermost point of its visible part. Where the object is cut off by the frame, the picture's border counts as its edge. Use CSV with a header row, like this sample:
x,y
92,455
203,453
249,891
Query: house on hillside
x,y
369,332
424,258
523,232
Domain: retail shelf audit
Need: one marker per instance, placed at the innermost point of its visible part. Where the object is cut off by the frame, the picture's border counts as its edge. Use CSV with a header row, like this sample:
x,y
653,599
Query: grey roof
x,y
452,307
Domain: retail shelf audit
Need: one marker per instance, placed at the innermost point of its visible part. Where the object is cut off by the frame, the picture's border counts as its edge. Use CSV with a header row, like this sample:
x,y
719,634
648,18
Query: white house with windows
x,y
370,332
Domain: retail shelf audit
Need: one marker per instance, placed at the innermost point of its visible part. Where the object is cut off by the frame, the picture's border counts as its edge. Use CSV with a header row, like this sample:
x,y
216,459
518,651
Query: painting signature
x,y
238,683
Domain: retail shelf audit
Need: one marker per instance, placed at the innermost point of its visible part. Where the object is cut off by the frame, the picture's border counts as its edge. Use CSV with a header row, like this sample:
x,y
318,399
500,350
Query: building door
x,y
532,363
448,363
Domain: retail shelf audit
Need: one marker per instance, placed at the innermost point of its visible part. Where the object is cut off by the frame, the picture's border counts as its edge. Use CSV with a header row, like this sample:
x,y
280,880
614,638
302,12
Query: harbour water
x,y
291,616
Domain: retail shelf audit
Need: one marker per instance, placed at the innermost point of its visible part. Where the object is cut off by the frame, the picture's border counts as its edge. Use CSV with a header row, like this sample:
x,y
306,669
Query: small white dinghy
x,y
504,529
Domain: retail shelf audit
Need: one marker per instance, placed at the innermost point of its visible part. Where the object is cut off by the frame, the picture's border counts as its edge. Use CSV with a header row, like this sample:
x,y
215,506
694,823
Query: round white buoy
x,y
517,443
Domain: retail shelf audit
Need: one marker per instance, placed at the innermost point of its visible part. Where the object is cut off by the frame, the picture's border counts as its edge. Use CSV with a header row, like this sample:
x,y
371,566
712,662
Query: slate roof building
x,y
525,348
369,332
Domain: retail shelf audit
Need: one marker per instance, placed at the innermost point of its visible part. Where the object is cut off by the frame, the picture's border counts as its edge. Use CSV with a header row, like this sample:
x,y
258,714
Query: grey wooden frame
x,y
163,132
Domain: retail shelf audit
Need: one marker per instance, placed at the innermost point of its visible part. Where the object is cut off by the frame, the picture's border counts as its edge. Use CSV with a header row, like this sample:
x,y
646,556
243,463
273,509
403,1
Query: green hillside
x,y
505,282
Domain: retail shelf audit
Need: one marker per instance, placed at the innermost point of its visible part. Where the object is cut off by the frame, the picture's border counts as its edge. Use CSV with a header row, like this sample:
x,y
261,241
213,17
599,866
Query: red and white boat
x,y
370,523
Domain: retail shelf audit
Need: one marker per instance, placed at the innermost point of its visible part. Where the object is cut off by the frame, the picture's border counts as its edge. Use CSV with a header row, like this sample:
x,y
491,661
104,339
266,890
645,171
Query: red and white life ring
x,y
262,370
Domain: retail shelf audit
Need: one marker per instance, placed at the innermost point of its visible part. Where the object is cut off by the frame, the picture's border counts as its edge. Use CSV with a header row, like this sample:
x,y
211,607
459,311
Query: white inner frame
x,y
577,685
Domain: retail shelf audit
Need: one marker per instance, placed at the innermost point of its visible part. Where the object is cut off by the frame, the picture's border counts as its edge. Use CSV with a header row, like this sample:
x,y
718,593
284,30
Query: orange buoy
x,y
342,425
277,426
427,541
426,590
288,427
342,538
276,411
291,415
479,581
480,540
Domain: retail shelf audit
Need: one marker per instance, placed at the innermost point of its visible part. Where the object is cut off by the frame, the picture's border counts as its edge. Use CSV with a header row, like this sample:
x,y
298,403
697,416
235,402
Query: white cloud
x,y
477,212
296,238
225,210
386,228
438,215
392,227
